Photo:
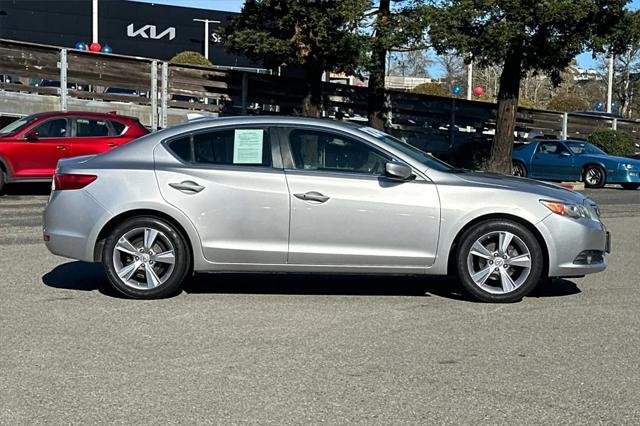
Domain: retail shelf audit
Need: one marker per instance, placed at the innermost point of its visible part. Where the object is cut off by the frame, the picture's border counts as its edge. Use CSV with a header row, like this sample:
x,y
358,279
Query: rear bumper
x,y
576,247
69,219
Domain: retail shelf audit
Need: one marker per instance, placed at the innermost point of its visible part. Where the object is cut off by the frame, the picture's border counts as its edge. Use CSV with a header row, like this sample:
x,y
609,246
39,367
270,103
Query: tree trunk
x,y
312,101
375,100
500,158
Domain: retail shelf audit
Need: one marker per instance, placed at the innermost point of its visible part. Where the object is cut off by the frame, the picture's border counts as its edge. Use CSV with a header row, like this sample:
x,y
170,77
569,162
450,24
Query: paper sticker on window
x,y
247,146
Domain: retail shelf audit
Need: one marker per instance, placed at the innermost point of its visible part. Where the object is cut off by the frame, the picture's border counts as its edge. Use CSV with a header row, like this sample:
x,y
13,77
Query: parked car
x,y
572,160
306,195
31,146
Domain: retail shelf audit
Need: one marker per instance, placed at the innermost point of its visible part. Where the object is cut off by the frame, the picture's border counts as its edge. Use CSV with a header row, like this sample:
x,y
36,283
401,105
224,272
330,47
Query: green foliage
x,y
433,89
314,34
568,103
613,142
545,35
189,57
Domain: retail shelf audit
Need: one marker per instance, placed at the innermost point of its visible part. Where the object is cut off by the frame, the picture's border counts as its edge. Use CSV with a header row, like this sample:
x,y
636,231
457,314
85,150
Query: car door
x,y
345,212
92,136
232,187
36,154
552,160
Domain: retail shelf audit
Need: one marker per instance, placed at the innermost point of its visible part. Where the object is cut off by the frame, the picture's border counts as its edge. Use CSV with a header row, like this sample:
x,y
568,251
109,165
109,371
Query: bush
x,y
568,103
613,142
433,89
191,58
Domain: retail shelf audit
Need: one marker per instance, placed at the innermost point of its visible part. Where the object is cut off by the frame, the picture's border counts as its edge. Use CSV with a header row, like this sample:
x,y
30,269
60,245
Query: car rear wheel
x,y
499,261
3,180
518,169
146,258
594,177
631,185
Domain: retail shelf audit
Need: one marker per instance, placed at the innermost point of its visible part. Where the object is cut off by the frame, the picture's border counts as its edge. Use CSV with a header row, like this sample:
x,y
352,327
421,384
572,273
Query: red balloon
x,y
478,91
95,47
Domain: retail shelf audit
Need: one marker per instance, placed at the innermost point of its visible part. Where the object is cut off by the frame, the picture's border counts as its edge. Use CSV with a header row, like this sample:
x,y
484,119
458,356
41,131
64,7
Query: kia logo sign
x,y
150,31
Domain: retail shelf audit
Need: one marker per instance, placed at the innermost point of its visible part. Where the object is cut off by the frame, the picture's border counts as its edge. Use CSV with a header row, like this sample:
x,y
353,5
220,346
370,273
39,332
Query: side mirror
x,y
32,136
397,171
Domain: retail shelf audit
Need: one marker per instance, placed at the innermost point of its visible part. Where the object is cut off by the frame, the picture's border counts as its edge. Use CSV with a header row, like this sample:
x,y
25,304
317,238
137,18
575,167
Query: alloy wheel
x,y
593,176
144,258
499,262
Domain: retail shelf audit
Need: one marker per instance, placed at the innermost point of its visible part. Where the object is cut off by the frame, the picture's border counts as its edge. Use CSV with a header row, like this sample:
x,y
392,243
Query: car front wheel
x,y
594,177
499,261
146,258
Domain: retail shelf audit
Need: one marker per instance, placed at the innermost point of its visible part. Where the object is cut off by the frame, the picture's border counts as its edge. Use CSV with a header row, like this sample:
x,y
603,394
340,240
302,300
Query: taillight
x,y
66,181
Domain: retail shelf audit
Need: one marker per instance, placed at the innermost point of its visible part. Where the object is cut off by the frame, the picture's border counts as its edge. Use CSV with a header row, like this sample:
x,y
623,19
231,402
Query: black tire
x,y
631,185
594,176
524,236
168,237
3,181
518,169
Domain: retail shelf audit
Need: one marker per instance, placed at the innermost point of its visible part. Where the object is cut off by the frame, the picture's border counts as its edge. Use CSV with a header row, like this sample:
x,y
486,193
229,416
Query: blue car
x,y
574,161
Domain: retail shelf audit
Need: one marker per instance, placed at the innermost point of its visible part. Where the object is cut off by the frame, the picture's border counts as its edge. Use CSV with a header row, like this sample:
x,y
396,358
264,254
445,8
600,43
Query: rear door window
x,y
91,127
229,147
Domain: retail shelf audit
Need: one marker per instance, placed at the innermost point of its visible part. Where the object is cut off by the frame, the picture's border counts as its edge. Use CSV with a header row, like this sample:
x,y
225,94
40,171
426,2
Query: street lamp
x,y
206,34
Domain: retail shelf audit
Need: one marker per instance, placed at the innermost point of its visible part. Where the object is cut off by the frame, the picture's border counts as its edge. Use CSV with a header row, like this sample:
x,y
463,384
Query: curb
x,y
576,186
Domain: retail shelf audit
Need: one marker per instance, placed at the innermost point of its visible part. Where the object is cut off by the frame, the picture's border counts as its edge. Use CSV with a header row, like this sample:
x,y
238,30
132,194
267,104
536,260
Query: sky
x,y
585,60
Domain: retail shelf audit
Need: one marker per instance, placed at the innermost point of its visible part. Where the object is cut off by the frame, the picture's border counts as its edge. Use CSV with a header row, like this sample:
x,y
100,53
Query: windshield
x,y
425,158
580,148
16,126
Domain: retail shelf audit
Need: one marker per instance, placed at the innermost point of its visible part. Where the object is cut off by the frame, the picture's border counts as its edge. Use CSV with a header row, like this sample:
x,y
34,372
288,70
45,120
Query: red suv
x,y
31,147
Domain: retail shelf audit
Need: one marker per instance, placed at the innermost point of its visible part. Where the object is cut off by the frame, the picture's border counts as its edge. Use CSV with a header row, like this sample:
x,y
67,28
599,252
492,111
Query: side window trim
x,y
287,154
276,162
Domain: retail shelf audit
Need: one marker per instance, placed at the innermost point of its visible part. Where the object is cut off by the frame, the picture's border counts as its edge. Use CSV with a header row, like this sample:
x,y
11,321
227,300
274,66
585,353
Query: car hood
x,y
626,160
512,183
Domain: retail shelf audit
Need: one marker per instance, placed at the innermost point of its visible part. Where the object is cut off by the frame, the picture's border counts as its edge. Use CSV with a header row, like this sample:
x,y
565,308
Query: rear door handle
x,y
112,145
187,186
61,147
312,196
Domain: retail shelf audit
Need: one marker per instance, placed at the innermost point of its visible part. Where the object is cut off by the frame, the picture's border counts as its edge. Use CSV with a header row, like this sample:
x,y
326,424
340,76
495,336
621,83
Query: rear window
x,y
118,127
232,147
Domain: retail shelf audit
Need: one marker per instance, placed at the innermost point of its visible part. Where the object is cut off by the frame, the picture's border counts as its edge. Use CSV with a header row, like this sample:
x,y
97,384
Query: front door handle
x,y
112,145
312,196
61,147
187,186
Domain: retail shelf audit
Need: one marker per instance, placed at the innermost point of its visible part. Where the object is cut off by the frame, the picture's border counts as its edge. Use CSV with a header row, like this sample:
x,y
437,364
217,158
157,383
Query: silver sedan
x,y
285,194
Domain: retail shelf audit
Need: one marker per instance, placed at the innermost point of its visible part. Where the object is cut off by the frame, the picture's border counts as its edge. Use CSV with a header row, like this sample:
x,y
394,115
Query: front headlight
x,y
575,211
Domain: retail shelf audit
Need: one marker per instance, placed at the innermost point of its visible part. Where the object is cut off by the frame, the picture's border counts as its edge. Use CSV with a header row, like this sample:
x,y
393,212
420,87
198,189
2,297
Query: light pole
x,y
610,85
94,21
469,80
206,33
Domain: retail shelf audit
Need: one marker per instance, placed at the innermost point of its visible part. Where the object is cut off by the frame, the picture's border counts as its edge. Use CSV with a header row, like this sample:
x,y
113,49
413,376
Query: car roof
x,y
270,119
83,114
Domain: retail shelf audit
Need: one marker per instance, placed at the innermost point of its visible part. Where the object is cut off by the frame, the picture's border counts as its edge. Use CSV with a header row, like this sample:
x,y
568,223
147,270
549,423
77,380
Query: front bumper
x,y
576,247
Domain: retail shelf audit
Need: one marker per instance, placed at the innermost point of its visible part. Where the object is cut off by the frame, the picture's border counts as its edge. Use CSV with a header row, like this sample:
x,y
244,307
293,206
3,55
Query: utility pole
x,y
94,21
610,85
207,36
470,80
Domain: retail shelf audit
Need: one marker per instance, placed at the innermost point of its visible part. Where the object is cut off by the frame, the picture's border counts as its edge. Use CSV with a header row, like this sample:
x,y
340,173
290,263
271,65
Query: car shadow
x,y
84,276
28,189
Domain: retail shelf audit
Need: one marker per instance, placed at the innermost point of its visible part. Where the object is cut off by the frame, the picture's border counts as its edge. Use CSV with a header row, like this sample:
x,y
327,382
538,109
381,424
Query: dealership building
x,y
128,27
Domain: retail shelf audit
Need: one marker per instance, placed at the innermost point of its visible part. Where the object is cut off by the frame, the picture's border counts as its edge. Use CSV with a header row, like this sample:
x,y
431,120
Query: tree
x,y
522,36
414,63
318,36
568,103
191,58
396,28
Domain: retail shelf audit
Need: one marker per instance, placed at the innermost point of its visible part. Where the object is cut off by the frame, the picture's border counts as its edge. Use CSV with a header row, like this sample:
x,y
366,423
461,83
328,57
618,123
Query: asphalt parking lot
x,y
302,349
